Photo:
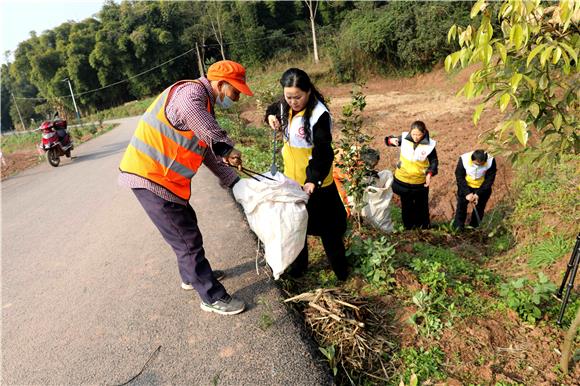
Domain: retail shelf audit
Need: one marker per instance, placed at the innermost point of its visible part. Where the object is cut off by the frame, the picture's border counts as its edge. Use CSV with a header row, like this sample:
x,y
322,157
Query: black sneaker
x,y
217,274
227,305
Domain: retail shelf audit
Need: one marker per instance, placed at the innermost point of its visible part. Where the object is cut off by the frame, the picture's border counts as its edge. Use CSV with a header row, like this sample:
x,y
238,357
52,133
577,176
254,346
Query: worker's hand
x,y
394,141
469,197
234,158
427,180
273,122
475,198
308,187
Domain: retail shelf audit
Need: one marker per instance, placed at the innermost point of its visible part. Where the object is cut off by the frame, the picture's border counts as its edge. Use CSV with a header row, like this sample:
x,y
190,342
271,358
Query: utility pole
x,y
199,62
18,110
73,98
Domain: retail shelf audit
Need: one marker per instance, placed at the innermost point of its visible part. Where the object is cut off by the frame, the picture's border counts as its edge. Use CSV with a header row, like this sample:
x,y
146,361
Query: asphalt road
x,y
90,290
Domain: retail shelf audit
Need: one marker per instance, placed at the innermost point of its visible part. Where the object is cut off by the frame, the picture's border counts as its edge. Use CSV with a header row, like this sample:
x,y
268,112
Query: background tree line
x,y
131,50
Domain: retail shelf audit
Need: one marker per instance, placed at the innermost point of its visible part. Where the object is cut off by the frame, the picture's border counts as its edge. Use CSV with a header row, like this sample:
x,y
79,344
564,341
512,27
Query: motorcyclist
x,y
61,131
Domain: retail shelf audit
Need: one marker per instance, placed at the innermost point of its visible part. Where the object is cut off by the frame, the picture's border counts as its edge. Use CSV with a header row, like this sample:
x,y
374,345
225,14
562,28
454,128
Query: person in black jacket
x,y
417,164
308,157
475,174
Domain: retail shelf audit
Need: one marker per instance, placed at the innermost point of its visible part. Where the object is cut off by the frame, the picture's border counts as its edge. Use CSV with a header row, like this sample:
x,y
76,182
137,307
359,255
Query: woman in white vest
x,y
417,164
475,174
308,159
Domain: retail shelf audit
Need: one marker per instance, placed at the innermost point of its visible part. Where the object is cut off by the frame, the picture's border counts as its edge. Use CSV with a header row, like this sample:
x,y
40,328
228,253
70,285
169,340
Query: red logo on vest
x,y
301,133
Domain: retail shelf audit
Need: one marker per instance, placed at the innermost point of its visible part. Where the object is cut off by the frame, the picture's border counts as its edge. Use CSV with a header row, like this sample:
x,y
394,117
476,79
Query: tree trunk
x,y
567,345
221,40
199,61
217,27
314,44
313,26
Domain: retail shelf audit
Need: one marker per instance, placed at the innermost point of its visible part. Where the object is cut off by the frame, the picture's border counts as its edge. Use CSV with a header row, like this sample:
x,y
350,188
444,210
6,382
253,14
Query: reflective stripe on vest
x,y
475,174
161,153
413,162
297,152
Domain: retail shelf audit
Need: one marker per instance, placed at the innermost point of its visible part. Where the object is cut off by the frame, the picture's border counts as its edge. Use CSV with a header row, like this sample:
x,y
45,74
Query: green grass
x,y
501,243
29,141
548,201
450,285
548,251
255,143
129,109
426,364
17,142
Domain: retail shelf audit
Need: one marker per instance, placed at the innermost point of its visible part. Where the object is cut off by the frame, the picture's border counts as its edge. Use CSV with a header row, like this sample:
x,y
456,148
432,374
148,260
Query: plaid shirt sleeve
x,y
225,173
187,110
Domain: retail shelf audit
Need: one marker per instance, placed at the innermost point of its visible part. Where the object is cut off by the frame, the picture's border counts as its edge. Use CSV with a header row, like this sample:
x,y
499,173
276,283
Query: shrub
x,y
424,363
526,297
373,259
395,37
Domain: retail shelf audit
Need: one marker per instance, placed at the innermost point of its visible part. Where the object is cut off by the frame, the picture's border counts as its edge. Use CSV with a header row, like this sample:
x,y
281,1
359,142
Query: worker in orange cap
x,y
176,134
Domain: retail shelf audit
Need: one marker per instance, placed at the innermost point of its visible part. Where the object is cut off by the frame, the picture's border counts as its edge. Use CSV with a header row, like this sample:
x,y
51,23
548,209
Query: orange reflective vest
x,y
339,179
161,153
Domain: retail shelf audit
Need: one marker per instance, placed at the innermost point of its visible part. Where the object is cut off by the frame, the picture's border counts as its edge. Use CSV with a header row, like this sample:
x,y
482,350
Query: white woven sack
x,y
377,199
276,212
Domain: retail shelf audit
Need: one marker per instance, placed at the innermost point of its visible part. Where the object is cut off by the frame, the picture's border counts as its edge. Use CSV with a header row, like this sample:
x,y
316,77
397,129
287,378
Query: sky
x,y
19,17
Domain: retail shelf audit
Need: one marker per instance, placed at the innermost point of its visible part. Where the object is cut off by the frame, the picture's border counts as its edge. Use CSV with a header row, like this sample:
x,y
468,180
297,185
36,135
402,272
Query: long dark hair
x,y
295,77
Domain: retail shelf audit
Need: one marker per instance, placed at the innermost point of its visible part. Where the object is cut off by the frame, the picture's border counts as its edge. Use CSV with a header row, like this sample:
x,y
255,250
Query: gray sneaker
x,y
227,305
219,275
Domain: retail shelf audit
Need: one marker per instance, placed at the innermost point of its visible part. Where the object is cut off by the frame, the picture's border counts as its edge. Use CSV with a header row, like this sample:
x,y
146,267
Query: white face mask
x,y
224,103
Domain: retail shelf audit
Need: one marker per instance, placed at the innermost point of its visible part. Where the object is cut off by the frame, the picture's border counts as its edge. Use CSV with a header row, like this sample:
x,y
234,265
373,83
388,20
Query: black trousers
x,y
462,204
327,219
414,204
178,226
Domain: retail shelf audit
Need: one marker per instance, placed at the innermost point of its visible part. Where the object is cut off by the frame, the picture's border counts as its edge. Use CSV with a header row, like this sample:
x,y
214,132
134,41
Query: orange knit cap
x,y
232,72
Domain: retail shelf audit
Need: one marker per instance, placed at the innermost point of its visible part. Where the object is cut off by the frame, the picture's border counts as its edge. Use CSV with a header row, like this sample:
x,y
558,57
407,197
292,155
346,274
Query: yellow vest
x,y
413,162
161,153
475,174
297,152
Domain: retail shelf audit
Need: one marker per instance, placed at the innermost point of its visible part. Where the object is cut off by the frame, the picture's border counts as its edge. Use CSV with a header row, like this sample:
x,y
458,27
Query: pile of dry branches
x,y
358,330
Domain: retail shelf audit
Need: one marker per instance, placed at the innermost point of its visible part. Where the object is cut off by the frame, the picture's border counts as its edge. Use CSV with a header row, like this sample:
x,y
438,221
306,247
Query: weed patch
x,y
129,109
426,364
527,298
373,259
547,251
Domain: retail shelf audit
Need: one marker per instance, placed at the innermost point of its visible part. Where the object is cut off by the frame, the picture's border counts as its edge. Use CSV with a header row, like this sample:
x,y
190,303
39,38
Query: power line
x,y
251,40
116,83
135,76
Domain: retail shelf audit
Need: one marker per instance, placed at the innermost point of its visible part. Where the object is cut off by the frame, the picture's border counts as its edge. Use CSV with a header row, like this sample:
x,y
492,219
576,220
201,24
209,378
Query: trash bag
x,y
276,212
377,200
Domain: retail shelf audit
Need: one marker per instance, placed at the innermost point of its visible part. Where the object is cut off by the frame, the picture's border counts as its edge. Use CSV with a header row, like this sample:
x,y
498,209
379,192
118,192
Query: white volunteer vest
x,y
413,162
297,151
475,174
420,153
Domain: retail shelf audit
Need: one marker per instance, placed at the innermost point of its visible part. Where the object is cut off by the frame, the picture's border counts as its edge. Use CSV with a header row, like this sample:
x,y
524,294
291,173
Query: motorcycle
x,y
56,141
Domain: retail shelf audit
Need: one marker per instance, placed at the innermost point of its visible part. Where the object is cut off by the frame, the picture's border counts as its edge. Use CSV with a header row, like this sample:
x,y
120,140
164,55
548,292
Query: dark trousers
x,y
414,204
327,219
334,248
178,226
462,204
